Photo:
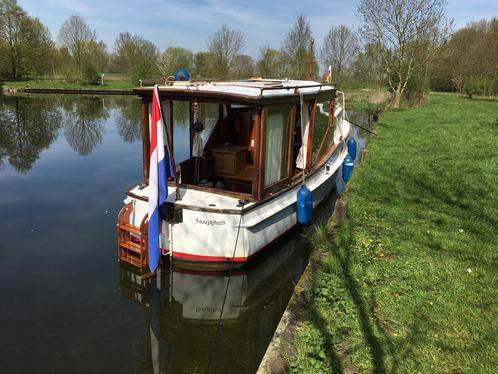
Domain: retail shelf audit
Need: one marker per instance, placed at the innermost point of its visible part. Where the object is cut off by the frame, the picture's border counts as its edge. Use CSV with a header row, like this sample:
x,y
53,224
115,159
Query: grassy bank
x,y
410,283
111,82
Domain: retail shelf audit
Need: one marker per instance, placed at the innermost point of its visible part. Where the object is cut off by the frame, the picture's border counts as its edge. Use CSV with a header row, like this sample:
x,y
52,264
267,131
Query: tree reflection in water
x,y
84,123
30,124
128,119
27,126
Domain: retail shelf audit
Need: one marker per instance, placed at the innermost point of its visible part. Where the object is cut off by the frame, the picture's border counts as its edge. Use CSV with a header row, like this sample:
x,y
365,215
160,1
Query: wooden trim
x,y
330,126
135,196
172,126
235,194
291,127
286,179
296,180
189,207
262,151
190,132
145,137
256,182
208,210
309,148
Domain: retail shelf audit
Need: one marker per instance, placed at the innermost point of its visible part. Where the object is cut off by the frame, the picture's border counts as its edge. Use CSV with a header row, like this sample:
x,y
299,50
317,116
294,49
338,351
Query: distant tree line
x,y
405,46
468,62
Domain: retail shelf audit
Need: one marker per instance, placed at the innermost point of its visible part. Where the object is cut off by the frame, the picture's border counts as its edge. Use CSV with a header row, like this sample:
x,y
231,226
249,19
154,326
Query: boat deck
x,y
193,199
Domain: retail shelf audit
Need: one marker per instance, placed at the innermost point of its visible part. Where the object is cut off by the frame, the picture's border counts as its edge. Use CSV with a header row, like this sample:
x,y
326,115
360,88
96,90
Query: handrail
x,y
343,100
320,85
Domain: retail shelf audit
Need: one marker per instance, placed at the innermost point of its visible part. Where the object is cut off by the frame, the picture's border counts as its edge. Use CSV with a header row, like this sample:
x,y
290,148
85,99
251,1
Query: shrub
x,y
90,74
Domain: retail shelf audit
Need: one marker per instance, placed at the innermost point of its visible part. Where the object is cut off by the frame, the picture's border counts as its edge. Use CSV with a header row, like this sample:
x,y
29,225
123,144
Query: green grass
x,y
111,82
409,283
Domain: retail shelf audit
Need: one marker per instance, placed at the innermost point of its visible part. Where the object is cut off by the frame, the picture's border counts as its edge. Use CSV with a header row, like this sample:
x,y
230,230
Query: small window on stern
x,y
181,130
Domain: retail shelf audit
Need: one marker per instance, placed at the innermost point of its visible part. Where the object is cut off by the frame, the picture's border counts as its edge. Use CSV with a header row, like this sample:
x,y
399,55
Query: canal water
x,y
67,305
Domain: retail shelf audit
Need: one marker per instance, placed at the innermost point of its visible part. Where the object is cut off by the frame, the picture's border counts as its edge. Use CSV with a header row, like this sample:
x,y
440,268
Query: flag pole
x,y
170,148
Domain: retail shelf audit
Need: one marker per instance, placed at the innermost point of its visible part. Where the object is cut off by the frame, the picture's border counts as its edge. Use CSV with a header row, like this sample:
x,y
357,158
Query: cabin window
x,y
323,131
181,130
207,114
276,142
301,132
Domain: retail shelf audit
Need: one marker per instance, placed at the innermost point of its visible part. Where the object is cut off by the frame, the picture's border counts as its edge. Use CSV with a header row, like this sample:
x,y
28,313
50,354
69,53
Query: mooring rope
x,y
213,344
355,124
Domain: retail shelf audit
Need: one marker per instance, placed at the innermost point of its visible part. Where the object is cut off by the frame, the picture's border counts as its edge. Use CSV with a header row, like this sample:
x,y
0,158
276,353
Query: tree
x,y
25,43
77,37
368,66
243,67
297,55
174,58
37,48
203,65
469,61
339,50
409,33
137,56
268,64
224,46
11,20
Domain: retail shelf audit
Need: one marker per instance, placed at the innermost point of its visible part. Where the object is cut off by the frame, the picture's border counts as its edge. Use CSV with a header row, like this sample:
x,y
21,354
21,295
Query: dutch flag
x,y
159,170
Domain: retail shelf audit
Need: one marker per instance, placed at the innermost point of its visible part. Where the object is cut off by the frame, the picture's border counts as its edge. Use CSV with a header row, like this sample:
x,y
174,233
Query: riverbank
x,y
110,84
408,282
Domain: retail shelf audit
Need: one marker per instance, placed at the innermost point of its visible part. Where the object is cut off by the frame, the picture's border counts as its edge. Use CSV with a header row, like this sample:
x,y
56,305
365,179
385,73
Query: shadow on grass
x,y
493,99
365,311
320,323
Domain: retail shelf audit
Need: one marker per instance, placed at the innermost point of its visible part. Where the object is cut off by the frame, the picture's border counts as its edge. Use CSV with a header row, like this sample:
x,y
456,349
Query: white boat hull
x,y
229,233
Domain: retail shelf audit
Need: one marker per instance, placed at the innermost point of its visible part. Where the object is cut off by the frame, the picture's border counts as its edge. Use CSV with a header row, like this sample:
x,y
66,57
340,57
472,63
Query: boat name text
x,y
210,222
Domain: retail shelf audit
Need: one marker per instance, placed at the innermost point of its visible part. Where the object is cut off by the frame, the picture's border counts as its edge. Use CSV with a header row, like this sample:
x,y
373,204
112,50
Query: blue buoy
x,y
347,168
304,210
182,74
352,148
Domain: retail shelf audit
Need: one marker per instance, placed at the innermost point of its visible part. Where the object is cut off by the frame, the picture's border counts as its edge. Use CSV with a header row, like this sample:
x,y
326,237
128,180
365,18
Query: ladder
x,y
132,240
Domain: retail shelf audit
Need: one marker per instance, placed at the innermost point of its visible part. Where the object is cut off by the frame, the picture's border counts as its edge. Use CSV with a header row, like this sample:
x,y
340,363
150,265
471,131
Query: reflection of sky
x,y
58,253
181,147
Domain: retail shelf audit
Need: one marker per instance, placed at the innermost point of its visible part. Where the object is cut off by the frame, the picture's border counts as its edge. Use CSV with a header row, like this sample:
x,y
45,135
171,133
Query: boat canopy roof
x,y
258,91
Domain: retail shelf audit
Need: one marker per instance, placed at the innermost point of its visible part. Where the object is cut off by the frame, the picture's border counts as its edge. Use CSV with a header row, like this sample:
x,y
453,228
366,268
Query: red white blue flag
x,y
159,170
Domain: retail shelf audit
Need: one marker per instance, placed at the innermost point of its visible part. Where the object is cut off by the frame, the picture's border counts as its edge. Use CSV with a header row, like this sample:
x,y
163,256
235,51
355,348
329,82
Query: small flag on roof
x,y
328,75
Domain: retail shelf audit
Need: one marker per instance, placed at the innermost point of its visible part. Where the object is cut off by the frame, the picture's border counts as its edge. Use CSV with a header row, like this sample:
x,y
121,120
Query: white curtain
x,y
274,145
301,156
208,115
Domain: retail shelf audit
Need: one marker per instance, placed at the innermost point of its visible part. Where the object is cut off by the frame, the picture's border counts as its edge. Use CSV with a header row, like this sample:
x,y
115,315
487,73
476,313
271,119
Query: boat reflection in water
x,y
182,308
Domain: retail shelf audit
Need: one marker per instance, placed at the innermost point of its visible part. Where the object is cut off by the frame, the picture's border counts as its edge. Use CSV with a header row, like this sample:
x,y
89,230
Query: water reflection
x,y
182,308
28,125
84,123
128,119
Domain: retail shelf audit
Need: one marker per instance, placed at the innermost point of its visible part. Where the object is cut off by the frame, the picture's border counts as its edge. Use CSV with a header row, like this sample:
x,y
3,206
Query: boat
x,y
240,155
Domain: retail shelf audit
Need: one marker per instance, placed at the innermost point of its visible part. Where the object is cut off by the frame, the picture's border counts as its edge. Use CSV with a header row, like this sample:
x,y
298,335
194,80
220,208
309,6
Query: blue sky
x,y
189,23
